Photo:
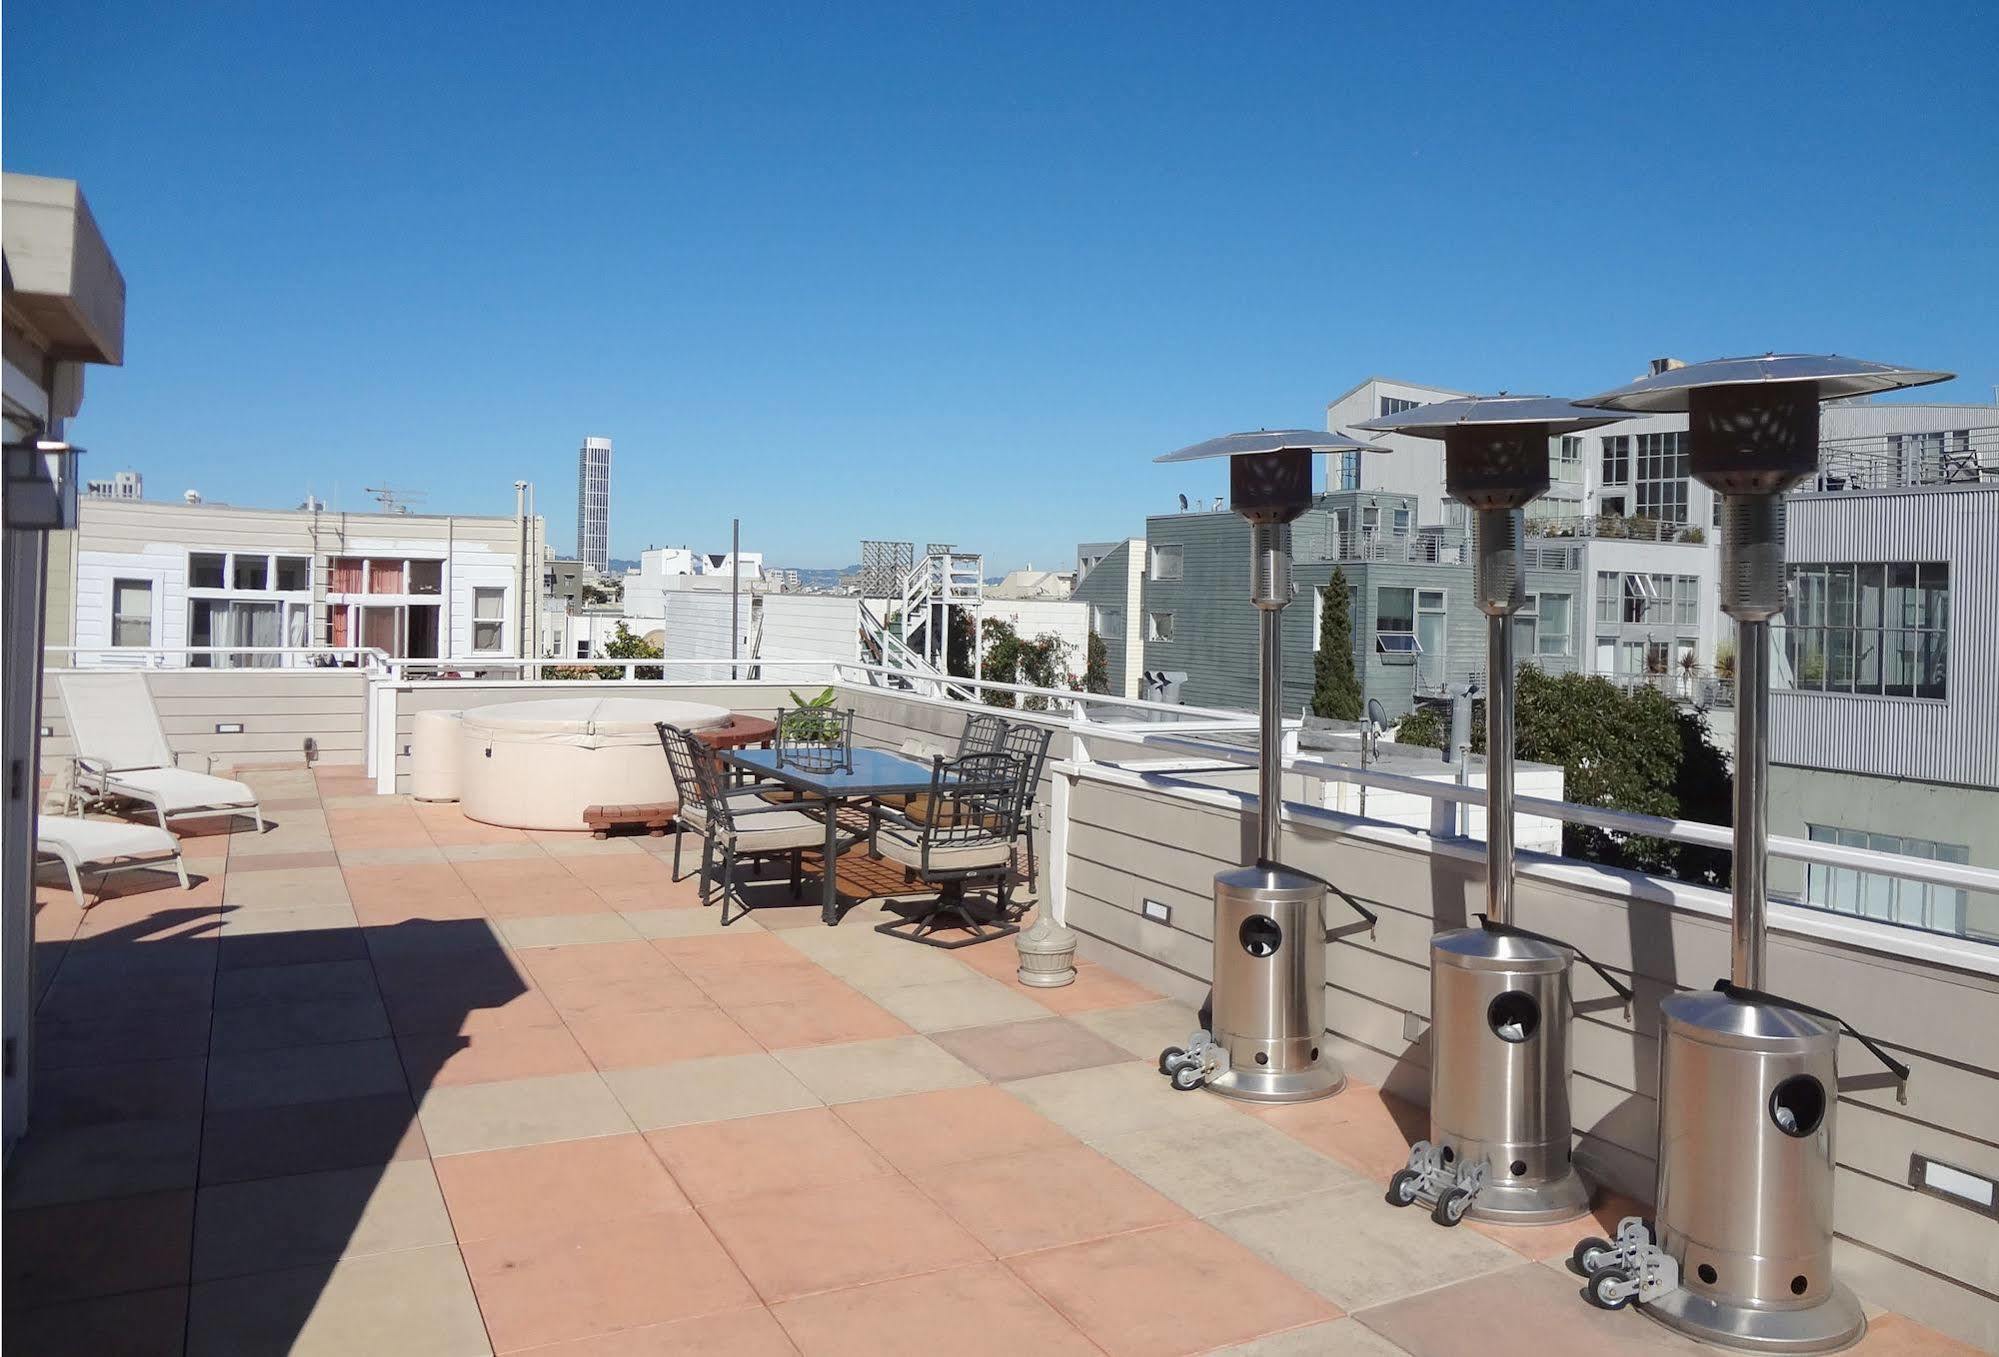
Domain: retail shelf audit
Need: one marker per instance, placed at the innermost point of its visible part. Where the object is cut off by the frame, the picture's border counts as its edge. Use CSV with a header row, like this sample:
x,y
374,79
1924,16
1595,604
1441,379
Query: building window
x,y
1159,626
1869,628
1395,405
1687,600
1542,627
294,574
1569,458
1662,477
1880,895
1395,623
426,577
1168,563
1617,460
1400,522
488,608
131,612
207,570
1107,622
1606,596
252,600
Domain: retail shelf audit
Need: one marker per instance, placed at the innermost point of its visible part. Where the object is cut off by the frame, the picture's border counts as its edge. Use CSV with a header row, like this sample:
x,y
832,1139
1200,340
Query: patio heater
x,y
1267,1011
1741,1254
1500,1014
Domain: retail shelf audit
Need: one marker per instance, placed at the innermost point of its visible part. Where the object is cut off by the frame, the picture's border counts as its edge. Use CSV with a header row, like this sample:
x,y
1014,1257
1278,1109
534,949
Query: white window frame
x,y
497,622
1154,631
152,610
1166,562
294,605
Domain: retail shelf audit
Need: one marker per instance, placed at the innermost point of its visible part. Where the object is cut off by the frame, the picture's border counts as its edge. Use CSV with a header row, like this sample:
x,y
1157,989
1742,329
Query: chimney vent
x,y
1660,365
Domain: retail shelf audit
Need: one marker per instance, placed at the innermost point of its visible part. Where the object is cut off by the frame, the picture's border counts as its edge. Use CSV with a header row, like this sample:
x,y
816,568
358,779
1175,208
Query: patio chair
x,y
983,734
104,847
813,740
733,822
122,751
967,836
1029,744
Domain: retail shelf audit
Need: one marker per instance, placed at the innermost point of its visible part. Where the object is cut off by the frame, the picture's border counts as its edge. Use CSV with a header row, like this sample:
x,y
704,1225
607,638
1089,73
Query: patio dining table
x,y
870,773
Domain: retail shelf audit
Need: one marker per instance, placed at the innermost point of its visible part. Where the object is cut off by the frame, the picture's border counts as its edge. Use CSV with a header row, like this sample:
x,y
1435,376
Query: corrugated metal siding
x,y
1955,740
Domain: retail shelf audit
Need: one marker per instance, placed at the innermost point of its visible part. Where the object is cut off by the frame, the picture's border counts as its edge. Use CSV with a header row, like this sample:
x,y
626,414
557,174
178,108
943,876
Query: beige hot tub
x,y
538,765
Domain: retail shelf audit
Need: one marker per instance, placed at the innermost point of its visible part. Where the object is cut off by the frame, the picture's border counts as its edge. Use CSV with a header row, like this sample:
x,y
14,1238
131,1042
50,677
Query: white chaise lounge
x,y
105,846
121,750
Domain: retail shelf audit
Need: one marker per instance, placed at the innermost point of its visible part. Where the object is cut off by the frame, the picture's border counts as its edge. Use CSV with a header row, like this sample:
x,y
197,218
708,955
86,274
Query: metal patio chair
x,y
733,822
983,734
1029,744
967,836
812,740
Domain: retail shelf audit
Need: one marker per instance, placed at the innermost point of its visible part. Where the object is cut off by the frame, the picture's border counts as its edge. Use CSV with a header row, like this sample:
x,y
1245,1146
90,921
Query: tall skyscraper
x,y
593,504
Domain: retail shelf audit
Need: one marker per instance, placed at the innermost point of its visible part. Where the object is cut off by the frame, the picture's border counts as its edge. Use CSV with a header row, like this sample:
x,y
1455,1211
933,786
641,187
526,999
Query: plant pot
x,y
1047,955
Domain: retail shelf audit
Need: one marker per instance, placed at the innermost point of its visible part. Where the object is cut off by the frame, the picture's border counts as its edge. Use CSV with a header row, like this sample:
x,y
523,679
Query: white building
x,y
151,578
123,485
1032,583
593,504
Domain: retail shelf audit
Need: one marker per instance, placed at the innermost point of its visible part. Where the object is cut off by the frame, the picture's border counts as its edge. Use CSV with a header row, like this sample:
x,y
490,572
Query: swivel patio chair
x,y
967,836
733,823
122,753
1029,744
984,733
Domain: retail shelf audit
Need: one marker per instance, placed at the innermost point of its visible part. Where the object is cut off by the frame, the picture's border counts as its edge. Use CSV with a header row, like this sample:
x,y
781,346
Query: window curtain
x,y
346,575
385,577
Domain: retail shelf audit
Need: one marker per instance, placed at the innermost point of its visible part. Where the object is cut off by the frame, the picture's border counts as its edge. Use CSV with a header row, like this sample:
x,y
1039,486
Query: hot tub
x,y
538,765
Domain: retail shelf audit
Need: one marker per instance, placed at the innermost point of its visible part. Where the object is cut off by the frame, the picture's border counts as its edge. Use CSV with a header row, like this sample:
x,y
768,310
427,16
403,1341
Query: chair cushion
x,y
100,840
771,831
902,846
176,789
948,813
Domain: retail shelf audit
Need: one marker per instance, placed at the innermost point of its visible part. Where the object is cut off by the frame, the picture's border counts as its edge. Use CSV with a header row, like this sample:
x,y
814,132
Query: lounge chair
x,y
104,847
122,751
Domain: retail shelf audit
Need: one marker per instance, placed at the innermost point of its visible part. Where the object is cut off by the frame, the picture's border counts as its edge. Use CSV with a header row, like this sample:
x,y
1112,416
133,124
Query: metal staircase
x,y
909,629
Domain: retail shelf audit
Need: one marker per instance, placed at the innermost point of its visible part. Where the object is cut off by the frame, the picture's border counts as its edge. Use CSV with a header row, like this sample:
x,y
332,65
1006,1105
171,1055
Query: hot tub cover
x,y
591,722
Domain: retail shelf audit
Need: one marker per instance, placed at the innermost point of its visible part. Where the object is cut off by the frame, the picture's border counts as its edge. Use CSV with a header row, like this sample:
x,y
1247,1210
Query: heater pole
x,y
1752,802
1499,768
1270,722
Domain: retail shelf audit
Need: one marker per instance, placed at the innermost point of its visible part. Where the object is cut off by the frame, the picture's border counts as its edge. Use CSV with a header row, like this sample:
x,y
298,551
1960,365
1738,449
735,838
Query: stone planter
x,y
1047,955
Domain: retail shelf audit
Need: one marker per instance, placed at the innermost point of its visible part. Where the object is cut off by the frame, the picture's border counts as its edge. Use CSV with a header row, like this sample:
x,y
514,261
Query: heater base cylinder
x,y
1834,1323
1268,1014
1500,1022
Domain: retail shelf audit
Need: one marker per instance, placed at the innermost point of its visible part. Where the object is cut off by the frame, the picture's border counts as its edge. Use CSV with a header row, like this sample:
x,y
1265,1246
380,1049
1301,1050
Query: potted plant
x,y
811,721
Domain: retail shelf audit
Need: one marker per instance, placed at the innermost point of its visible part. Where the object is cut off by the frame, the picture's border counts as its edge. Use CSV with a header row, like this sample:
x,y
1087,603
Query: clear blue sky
x,y
958,272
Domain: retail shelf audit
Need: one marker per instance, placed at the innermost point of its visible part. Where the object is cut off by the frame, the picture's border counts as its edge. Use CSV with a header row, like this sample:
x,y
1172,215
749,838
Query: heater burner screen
x,y
1513,1016
1260,935
1797,1105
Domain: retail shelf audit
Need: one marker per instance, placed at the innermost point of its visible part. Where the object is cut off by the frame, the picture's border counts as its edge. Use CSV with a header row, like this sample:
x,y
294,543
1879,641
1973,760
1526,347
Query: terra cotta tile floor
x,y
387,1081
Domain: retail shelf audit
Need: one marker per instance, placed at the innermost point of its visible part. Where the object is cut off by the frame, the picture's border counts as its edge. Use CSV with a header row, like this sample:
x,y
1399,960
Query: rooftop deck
x,y
391,1081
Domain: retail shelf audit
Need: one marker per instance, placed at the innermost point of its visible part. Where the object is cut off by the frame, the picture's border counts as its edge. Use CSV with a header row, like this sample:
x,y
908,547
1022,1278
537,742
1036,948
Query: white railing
x,y
1616,527
1897,460
226,658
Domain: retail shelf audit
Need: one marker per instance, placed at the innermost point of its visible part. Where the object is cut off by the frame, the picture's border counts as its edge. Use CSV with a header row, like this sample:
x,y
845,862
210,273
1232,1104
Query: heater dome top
x,y
1832,374
1270,440
1439,418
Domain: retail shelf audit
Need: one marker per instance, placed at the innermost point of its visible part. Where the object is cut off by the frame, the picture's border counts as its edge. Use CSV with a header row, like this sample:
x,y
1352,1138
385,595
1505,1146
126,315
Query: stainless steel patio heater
x,y
1499,996
1741,1254
1268,1010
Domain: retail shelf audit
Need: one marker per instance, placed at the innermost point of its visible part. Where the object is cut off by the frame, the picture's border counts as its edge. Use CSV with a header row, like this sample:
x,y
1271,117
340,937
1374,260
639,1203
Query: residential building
x,y
64,309
1032,583
1885,680
664,570
122,485
593,504
1110,579
1416,629
150,578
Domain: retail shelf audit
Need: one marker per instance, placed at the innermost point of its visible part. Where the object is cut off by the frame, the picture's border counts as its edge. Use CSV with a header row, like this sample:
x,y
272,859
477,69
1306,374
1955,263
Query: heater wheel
x,y
1451,1207
1402,1187
1167,1057
1590,1254
1187,1078
1610,1288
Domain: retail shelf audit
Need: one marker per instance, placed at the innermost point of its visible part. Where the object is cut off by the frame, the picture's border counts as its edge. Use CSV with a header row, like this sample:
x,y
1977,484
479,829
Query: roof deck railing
x,y
1899,461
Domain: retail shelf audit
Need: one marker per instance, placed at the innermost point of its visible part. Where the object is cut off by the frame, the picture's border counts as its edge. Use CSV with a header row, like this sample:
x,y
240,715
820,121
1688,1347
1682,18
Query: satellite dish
x,y
1183,504
1377,715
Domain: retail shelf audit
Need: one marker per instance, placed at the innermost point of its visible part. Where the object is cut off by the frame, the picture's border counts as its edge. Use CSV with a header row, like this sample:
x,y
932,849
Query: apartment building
x,y
1110,580
155,577
593,504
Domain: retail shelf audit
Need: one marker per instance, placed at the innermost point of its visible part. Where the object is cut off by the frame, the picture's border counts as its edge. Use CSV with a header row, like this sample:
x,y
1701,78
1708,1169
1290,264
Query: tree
x,y
1040,663
1625,749
1097,667
623,645
1336,693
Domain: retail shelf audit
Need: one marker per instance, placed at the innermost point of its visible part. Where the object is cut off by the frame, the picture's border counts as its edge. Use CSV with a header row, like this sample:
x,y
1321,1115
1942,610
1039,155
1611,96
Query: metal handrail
x,y
1616,527
372,658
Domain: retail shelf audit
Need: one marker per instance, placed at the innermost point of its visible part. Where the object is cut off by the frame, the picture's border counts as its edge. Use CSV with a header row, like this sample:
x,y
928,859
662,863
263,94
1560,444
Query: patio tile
x,y
267,1142
287,887
1524,1311
1892,1335
631,869
370,855
619,960
872,963
240,922
443,1059
511,872
490,850
103,1159
1357,1250
1115,1100
99,1248
1121,1291
67,998
1335,1338
550,1286
750,1332
1544,1242
1143,1029
562,843
315,1022
83,1095
519,1112
496,1000
310,982
968,1001
420,935
1044,1198
831,1016
274,1223
1226,1165
564,1185
274,862
951,1126
1021,1050
567,930
540,900
610,996
1363,1128
135,1324
883,1068
95,1039
622,1041
778,1152
844,1234
378,885
978,1311
413,1303
684,923
240,1080
717,1088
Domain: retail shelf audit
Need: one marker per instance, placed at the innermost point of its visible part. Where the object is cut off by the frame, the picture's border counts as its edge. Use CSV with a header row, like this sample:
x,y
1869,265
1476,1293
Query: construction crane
x,y
394,501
